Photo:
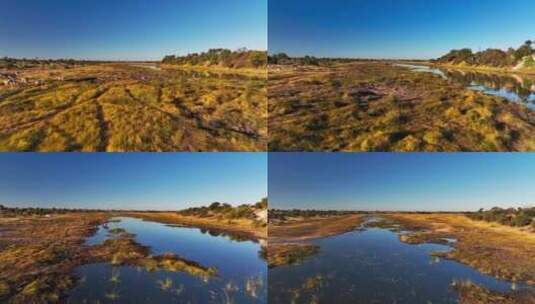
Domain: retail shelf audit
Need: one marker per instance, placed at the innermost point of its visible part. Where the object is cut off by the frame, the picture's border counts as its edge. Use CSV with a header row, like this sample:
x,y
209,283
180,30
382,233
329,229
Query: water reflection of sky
x,y
373,265
242,275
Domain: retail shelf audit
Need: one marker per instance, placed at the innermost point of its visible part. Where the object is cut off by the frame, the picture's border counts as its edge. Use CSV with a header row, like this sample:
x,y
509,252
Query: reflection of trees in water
x,y
237,237
518,85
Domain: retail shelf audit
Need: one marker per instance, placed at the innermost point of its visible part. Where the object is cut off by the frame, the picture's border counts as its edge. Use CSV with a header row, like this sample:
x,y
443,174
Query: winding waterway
x,y
371,265
241,273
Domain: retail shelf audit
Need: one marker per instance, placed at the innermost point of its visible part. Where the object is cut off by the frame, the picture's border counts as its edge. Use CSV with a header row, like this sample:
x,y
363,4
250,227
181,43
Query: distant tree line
x,y
492,57
284,59
16,211
226,211
516,217
8,63
241,58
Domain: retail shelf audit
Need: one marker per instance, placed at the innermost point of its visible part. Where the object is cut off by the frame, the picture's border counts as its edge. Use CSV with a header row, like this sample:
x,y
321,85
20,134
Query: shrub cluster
x,y
226,211
490,57
241,58
516,217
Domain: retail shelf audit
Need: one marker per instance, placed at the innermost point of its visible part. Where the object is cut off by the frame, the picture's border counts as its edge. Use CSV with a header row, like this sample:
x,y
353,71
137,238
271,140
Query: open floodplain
x,y
352,257
130,257
133,107
398,106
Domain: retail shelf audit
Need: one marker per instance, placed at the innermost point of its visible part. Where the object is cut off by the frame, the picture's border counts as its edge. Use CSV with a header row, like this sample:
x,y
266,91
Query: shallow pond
x,y
241,273
512,87
371,265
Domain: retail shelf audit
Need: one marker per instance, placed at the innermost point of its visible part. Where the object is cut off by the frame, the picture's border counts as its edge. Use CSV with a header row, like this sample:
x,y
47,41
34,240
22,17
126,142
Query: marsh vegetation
x,y
132,107
379,106
410,258
59,255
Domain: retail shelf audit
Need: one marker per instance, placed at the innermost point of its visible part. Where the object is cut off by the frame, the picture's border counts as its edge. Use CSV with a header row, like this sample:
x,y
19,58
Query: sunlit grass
x,y
381,107
137,109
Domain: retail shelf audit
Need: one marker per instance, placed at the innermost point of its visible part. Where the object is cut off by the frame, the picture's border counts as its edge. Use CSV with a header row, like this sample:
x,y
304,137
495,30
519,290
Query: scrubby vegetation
x,y
24,211
378,106
516,217
226,211
24,63
241,58
491,57
284,59
127,107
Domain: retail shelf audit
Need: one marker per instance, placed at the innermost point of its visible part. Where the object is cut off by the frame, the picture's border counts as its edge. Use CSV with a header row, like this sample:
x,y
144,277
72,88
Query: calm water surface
x,y
514,88
373,266
242,274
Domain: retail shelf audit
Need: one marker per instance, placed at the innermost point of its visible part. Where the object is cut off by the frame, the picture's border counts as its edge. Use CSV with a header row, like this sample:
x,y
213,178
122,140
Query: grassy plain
x,y
134,107
377,106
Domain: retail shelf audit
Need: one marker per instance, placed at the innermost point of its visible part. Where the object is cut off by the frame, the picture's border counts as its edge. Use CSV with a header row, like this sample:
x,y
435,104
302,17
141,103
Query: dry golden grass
x,y
38,255
120,107
502,251
382,107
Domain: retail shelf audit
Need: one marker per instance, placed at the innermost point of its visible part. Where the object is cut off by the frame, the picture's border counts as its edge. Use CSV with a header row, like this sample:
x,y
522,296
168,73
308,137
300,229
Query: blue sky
x,y
167,181
129,29
397,28
397,181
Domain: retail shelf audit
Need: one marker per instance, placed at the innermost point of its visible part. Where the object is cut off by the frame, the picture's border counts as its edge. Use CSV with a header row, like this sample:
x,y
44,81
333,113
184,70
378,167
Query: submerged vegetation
x,y
124,250
379,106
131,107
289,254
